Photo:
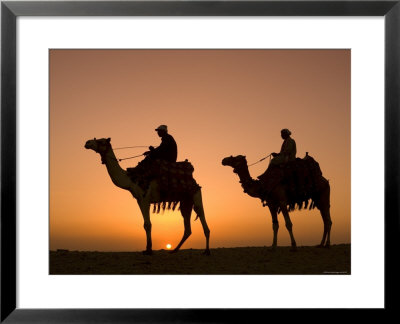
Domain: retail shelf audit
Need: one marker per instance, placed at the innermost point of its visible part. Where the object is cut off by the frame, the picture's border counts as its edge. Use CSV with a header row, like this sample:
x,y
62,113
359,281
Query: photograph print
x,y
200,161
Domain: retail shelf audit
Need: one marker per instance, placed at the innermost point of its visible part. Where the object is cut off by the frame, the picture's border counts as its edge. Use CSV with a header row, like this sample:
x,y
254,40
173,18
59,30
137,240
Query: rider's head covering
x,y
286,131
162,127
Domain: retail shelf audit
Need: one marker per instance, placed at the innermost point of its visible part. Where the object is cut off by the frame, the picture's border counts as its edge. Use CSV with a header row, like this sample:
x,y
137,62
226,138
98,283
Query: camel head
x,y
239,165
235,162
100,146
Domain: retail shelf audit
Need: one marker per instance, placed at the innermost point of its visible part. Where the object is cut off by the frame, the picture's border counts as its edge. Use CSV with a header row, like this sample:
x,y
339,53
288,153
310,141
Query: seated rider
x,y
288,149
273,175
167,150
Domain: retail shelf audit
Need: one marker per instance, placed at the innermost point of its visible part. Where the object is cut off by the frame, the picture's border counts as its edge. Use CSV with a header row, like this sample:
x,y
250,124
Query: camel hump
x,y
156,168
182,167
302,169
175,181
176,177
301,179
313,166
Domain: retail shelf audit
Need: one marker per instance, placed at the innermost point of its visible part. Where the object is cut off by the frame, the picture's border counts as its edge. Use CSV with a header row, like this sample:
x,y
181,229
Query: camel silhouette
x,y
151,195
278,200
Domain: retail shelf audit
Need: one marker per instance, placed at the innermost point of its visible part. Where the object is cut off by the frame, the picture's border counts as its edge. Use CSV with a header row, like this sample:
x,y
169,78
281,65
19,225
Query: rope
x,y
132,157
261,159
126,147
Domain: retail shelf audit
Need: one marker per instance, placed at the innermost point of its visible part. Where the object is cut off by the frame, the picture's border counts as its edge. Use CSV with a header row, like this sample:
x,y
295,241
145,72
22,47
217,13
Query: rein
x,y
126,147
103,156
132,157
261,160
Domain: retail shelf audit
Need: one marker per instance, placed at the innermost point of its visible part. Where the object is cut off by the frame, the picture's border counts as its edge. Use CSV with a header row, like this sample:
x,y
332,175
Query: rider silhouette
x,y
273,174
288,149
167,150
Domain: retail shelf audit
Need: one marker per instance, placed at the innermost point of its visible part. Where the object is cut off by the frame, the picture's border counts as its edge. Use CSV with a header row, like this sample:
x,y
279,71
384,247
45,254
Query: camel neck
x,y
243,173
249,185
118,175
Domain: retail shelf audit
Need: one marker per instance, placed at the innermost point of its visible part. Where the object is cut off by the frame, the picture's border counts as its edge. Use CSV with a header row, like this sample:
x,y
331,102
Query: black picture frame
x,y
10,10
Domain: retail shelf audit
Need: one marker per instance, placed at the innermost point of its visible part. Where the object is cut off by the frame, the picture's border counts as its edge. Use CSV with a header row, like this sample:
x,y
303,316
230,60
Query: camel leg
x,y
329,225
323,204
289,226
326,217
145,209
186,211
198,208
275,225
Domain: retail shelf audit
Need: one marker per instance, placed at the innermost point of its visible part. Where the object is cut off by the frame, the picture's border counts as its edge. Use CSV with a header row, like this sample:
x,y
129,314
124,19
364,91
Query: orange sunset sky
x,y
216,103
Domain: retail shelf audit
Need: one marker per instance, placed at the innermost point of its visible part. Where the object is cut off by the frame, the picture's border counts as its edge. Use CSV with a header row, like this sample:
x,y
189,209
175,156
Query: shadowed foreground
x,y
243,260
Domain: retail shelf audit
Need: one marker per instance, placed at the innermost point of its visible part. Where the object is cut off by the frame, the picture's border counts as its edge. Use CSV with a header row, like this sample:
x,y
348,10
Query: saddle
x,y
299,177
175,179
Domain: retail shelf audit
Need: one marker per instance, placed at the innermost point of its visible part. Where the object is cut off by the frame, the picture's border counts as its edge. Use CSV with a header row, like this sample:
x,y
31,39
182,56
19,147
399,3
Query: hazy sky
x,y
216,103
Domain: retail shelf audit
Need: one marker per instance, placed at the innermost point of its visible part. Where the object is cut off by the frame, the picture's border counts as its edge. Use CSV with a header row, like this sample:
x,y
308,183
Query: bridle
x,y
104,153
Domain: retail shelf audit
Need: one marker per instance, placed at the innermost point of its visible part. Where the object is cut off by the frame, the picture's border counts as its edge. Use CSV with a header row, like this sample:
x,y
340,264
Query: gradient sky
x,y
216,103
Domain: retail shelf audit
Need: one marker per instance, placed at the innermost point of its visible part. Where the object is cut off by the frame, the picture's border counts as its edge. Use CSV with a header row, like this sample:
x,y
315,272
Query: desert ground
x,y
241,260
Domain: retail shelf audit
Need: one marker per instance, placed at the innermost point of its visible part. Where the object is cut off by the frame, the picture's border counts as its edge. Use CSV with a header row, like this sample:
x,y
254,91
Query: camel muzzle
x,y
224,162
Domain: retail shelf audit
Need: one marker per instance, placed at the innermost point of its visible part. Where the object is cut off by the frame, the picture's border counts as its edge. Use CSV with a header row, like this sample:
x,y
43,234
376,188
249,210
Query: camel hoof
x,y
207,252
327,246
319,246
148,252
293,249
173,251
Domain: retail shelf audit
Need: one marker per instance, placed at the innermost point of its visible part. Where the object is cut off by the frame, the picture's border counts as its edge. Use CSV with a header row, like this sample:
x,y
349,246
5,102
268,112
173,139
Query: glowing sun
x,y
168,246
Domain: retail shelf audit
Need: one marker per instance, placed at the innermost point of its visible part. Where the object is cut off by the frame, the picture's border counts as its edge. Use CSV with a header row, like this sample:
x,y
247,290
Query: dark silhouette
x,y
288,149
167,150
187,194
281,198
287,154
